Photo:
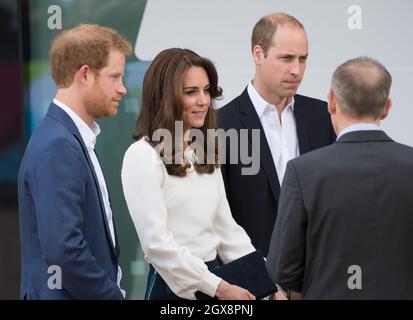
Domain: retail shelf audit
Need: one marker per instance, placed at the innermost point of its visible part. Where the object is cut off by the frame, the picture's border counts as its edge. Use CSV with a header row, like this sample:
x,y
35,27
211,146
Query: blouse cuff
x,y
209,284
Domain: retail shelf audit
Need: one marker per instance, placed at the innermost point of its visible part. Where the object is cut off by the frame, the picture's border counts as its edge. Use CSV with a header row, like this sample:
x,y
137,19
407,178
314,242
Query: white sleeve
x,y
142,179
234,241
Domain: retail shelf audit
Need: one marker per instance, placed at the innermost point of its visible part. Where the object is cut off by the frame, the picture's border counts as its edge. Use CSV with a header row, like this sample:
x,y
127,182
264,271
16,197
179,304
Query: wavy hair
x,y
162,105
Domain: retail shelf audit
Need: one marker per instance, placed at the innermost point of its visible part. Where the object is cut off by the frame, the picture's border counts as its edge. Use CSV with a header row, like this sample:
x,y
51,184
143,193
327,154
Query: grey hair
x,y
362,87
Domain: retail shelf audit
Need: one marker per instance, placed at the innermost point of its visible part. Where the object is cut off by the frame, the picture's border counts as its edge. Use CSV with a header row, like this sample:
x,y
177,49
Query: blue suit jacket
x,y
62,217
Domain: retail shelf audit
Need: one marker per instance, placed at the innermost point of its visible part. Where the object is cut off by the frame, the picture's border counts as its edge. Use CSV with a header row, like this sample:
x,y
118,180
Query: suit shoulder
x,y
228,115
58,133
316,105
404,148
52,136
230,107
314,110
309,100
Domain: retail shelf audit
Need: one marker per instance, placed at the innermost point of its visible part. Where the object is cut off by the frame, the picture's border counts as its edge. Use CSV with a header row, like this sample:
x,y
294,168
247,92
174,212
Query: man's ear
x,y
332,106
387,108
83,75
257,54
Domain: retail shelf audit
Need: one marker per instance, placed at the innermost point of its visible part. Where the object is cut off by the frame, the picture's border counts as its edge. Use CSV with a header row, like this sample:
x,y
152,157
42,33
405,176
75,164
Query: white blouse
x,y
181,221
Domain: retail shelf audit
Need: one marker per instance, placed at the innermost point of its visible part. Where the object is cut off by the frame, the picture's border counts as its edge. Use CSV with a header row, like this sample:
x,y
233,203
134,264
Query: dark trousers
x,y
157,289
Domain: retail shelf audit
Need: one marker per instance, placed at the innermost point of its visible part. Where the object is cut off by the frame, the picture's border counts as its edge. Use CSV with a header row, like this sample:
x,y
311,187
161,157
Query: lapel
x,y
60,115
250,120
113,220
364,136
302,125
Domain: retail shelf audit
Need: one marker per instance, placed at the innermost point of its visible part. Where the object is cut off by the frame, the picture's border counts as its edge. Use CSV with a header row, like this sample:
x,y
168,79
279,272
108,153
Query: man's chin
x,y
112,114
107,113
112,111
291,93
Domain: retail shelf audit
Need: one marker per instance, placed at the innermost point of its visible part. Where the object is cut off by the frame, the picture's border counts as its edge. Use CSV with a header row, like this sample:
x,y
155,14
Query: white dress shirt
x,y
89,135
281,135
181,222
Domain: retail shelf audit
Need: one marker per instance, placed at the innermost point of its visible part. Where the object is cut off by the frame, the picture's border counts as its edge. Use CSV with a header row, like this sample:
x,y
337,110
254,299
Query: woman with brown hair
x,y
173,186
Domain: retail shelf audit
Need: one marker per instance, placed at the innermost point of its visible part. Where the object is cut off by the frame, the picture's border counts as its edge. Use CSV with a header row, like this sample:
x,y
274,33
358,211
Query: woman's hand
x,y
227,291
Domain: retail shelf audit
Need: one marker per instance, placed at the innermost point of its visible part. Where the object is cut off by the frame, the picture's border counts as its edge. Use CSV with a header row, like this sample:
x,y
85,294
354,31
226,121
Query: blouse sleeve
x,y
234,241
142,179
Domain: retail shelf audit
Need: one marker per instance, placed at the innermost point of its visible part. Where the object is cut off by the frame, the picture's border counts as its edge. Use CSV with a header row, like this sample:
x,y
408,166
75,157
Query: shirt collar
x,y
89,134
260,104
358,127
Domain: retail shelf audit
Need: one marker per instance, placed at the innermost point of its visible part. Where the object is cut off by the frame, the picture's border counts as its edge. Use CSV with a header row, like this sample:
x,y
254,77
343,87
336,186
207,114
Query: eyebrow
x,y
195,87
292,55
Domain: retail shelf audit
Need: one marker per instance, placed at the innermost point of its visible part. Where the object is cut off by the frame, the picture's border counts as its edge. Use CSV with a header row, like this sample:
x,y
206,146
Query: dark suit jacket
x,y
62,217
348,204
253,198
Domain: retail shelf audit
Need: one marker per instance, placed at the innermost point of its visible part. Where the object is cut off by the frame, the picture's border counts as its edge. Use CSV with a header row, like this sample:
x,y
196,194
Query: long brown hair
x,y
162,104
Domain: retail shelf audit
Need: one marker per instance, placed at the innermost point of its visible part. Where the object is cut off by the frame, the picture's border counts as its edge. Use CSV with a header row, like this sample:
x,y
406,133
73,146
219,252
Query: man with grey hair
x,y
345,216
